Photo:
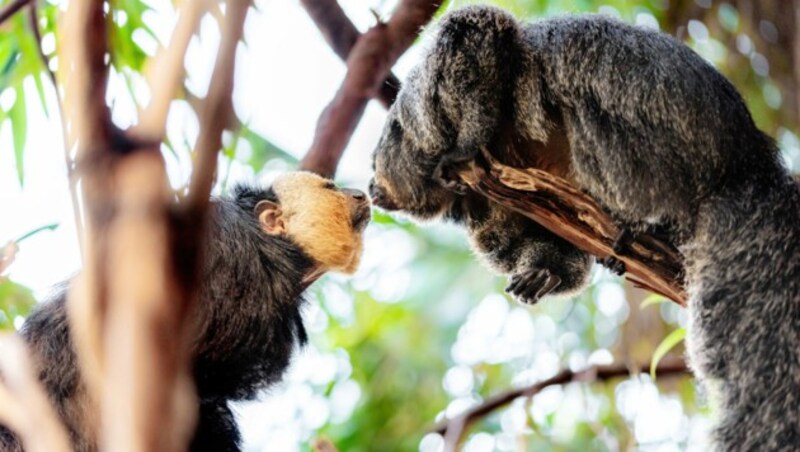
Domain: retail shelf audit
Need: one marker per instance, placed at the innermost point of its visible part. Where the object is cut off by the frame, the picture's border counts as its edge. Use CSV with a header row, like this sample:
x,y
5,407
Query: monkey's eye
x,y
329,186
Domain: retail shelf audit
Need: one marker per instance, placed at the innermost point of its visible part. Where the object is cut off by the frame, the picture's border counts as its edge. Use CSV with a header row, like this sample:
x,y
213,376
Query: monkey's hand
x,y
446,172
612,263
621,242
530,286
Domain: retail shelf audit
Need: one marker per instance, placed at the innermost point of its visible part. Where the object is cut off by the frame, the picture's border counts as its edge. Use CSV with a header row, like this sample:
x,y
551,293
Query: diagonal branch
x,y
577,218
454,428
368,64
165,72
71,179
12,8
342,35
217,108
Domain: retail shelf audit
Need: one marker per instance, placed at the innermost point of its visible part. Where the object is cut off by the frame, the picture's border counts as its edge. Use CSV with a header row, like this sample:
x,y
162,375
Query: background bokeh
x,y
423,330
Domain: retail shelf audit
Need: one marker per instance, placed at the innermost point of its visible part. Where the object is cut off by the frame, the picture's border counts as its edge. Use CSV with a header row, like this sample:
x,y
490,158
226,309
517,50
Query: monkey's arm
x,y
537,262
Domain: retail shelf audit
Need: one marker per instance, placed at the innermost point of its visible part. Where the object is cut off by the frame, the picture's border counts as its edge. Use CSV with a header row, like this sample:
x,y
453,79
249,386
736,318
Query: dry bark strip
x,y
453,429
368,64
574,216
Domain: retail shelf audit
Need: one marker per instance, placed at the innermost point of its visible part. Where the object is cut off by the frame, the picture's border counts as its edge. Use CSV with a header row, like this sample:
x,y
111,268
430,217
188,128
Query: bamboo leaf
x,y
669,342
40,90
652,299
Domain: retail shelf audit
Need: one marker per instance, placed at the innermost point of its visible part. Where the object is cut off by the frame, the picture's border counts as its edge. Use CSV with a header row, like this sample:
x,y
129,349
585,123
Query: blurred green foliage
x,y
424,331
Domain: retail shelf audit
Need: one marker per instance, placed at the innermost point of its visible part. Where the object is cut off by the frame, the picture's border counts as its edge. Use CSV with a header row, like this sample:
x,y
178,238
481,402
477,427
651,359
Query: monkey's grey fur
x,y
659,137
432,126
248,323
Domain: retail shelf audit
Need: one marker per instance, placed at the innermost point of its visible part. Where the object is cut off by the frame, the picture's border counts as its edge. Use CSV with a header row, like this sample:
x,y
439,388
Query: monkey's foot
x,y
530,286
612,263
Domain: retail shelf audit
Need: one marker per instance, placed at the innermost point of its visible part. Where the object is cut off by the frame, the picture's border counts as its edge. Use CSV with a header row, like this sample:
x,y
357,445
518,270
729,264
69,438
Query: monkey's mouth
x,y
380,198
361,217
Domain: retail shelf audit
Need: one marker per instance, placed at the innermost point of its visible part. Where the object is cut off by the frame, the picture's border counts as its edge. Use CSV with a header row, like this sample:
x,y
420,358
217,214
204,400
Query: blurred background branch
x,y
453,429
368,64
340,33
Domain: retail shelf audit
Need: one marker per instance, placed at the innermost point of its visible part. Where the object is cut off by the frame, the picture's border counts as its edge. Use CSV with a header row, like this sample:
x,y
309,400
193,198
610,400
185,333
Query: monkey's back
x,y
645,111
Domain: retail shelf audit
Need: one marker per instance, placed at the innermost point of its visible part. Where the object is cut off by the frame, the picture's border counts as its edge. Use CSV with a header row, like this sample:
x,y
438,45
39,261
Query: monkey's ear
x,y
270,217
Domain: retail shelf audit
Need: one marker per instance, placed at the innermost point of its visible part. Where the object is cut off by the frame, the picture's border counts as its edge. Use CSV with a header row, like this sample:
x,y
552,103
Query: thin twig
x,y
217,108
165,72
342,35
368,64
454,428
72,180
12,8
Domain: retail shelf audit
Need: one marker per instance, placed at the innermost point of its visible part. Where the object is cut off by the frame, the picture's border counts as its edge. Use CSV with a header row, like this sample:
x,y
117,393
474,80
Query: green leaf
x,y
669,342
15,300
47,227
652,299
40,90
19,128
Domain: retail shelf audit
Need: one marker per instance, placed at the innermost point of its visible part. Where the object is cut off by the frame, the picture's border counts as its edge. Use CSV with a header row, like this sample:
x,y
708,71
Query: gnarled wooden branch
x,y
454,428
574,216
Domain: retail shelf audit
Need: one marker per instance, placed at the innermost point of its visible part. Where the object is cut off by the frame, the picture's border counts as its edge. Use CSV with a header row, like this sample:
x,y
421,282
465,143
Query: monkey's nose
x,y
358,195
375,192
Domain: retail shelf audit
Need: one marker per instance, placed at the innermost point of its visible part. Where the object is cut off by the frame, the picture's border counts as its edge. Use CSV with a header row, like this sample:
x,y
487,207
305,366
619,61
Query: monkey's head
x,y
405,170
325,221
458,99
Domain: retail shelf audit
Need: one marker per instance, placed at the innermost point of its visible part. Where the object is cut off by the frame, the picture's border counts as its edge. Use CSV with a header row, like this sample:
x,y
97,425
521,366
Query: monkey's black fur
x,y
248,323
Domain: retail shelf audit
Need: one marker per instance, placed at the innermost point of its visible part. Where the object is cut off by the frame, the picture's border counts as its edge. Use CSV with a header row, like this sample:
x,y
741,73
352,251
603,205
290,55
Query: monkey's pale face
x,y
403,178
325,221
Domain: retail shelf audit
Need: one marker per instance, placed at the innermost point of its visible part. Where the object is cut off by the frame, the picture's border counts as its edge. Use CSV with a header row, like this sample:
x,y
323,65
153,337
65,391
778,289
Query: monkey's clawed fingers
x,y
529,287
613,264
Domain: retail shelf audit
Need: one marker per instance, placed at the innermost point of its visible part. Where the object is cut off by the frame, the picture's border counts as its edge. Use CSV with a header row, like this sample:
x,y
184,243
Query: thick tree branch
x,y
83,75
454,428
369,62
577,218
342,35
